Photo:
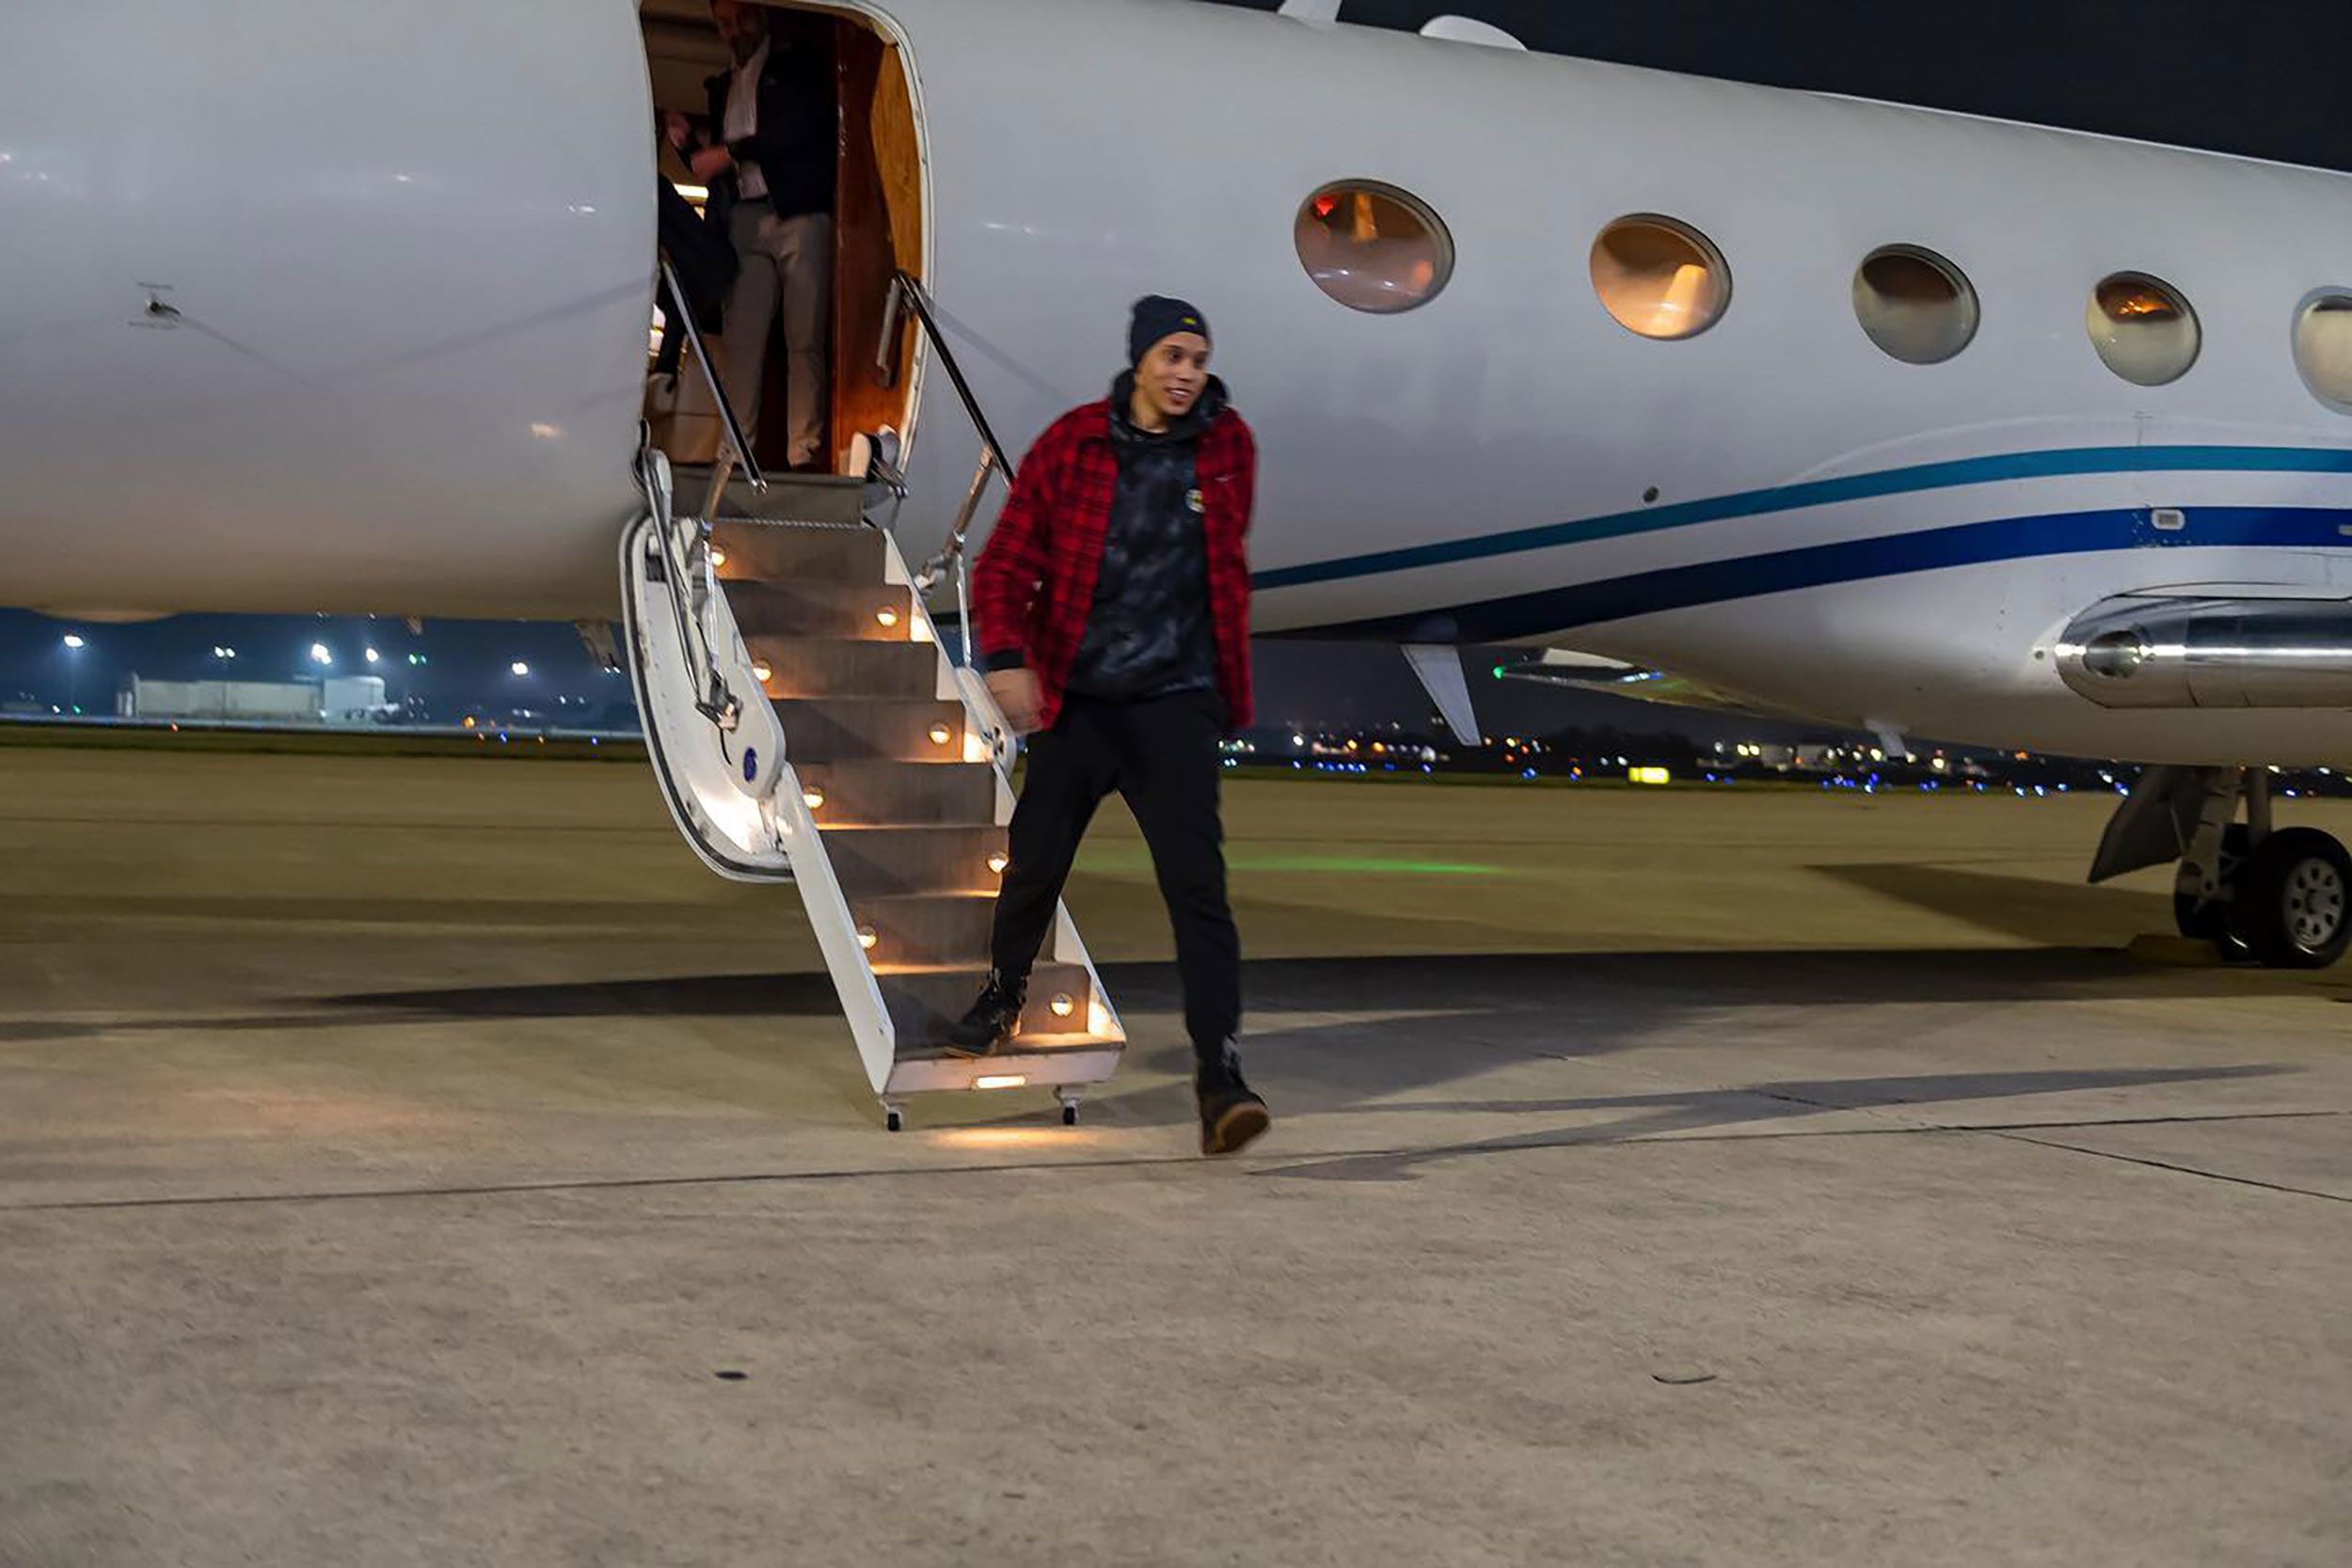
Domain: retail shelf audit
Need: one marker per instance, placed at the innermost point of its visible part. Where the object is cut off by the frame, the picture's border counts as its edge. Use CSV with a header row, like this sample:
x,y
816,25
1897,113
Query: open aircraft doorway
x,y
875,199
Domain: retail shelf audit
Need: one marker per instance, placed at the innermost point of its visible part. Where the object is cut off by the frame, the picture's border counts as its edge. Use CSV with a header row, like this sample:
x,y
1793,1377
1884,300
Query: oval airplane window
x,y
2323,347
1659,277
2143,328
1374,248
1914,304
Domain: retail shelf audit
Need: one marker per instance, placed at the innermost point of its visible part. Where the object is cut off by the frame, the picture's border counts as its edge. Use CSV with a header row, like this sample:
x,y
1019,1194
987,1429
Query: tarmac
x,y
424,1162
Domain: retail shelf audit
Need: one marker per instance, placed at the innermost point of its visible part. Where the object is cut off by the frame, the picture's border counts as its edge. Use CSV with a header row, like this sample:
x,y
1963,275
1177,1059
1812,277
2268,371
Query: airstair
x,y
807,724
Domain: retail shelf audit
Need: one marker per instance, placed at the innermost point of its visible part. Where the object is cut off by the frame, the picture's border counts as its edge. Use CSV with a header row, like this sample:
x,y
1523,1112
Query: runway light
x,y
224,652
941,735
814,799
1001,1080
1650,775
374,658
885,616
997,861
519,668
868,937
320,656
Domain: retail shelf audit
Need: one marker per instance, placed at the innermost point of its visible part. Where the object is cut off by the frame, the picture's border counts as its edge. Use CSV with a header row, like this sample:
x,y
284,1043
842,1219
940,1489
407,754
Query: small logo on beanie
x,y
1196,500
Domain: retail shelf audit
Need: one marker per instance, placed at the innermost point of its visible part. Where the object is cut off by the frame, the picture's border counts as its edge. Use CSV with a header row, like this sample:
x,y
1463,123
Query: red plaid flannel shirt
x,y
1034,583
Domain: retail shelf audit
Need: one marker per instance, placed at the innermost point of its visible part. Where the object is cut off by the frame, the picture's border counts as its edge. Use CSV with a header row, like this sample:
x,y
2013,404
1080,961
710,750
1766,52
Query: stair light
x,y
941,735
762,672
1063,1006
997,861
718,557
868,937
814,797
885,616
1000,1081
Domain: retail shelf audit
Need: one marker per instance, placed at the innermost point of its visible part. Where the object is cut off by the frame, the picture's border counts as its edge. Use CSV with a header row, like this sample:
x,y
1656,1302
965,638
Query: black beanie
x,y
1159,316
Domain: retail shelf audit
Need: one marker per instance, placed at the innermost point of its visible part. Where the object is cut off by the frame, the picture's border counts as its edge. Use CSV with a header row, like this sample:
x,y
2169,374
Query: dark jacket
x,y
797,143
1034,585
1147,632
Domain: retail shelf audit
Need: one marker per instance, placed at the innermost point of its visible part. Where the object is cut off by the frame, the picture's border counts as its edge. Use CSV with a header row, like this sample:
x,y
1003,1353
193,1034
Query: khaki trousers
x,y
786,264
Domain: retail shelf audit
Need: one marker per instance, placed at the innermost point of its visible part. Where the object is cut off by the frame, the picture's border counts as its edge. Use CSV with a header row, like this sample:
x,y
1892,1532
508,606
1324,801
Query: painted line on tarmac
x,y
1264,1161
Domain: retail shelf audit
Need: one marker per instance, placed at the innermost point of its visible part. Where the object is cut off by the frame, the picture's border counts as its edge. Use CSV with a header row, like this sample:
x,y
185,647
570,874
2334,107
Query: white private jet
x,y
1890,417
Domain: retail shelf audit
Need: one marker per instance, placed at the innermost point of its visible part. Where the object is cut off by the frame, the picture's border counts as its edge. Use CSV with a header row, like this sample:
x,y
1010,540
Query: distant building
x,y
339,701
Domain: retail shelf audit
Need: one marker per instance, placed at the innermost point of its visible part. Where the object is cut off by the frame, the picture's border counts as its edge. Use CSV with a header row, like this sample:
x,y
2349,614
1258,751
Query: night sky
x,y
2260,78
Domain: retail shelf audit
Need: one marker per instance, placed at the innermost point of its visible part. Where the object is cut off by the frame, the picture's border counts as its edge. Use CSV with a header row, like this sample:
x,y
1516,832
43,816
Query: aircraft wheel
x,y
2290,910
2208,920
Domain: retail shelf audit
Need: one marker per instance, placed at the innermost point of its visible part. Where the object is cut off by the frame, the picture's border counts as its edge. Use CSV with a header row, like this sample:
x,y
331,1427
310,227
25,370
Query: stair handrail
x,y
907,293
735,447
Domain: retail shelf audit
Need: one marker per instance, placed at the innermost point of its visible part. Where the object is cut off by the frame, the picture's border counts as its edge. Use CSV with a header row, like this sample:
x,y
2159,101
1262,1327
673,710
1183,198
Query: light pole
x,y
73,646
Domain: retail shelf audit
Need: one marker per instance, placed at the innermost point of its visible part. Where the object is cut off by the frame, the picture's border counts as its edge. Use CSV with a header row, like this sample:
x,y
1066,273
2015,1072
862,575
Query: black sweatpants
x,y
1161,754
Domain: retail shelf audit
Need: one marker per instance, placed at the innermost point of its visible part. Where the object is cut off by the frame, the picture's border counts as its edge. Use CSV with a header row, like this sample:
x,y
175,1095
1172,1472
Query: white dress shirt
x,y
742,119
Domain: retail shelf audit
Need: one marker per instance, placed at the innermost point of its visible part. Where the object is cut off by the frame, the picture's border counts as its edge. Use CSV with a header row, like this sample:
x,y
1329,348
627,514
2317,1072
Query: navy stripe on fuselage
x,y
1824,492
1851,561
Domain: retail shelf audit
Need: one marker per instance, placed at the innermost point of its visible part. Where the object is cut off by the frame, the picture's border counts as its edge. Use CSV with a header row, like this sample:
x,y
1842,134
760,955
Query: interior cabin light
x,y
1001,1080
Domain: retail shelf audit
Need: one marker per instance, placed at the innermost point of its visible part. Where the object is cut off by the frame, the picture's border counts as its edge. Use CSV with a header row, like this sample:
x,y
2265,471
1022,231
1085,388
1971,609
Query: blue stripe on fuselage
x,y
1824,492
1853,561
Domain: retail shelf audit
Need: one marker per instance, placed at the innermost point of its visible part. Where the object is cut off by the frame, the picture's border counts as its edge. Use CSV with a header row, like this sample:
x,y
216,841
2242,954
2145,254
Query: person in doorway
x,y
1113,603
771,175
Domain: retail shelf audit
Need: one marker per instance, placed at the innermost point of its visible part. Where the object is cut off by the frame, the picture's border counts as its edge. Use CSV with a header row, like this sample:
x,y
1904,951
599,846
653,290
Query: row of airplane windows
x,y
1377,249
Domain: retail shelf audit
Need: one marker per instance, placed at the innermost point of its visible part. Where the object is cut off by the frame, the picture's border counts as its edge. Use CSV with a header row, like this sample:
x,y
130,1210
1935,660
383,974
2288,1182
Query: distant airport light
x,y
1650,775
73,640
224,652
374,658
1000,1081
319,654
519,668
414,659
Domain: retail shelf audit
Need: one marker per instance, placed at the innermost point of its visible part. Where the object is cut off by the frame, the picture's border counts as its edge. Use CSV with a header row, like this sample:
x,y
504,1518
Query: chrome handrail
x,y
738,448
906,292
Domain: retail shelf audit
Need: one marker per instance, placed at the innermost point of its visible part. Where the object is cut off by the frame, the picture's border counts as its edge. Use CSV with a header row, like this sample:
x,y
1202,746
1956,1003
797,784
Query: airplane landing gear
x,y
2289,903
2275,895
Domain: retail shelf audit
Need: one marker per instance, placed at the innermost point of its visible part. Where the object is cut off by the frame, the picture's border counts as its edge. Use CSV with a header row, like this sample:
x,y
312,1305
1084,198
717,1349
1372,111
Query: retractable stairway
x,y
809,725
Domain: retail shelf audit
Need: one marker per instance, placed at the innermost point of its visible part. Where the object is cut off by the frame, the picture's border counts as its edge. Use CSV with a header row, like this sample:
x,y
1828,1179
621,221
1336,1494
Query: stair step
x,y
923,1002
770,553
878,861
837,498
831,608
900,794
925,930
837,667
848,729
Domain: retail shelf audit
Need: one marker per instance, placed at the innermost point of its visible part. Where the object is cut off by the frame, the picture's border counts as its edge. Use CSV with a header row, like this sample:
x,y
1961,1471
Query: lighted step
x,y
839,667
899,794
834,499
925,928
847,729
771,552
875,862
819,608
924,1003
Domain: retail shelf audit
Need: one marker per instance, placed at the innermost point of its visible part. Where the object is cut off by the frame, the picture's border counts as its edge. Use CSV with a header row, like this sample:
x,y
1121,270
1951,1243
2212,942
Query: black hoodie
x,y
1148,631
